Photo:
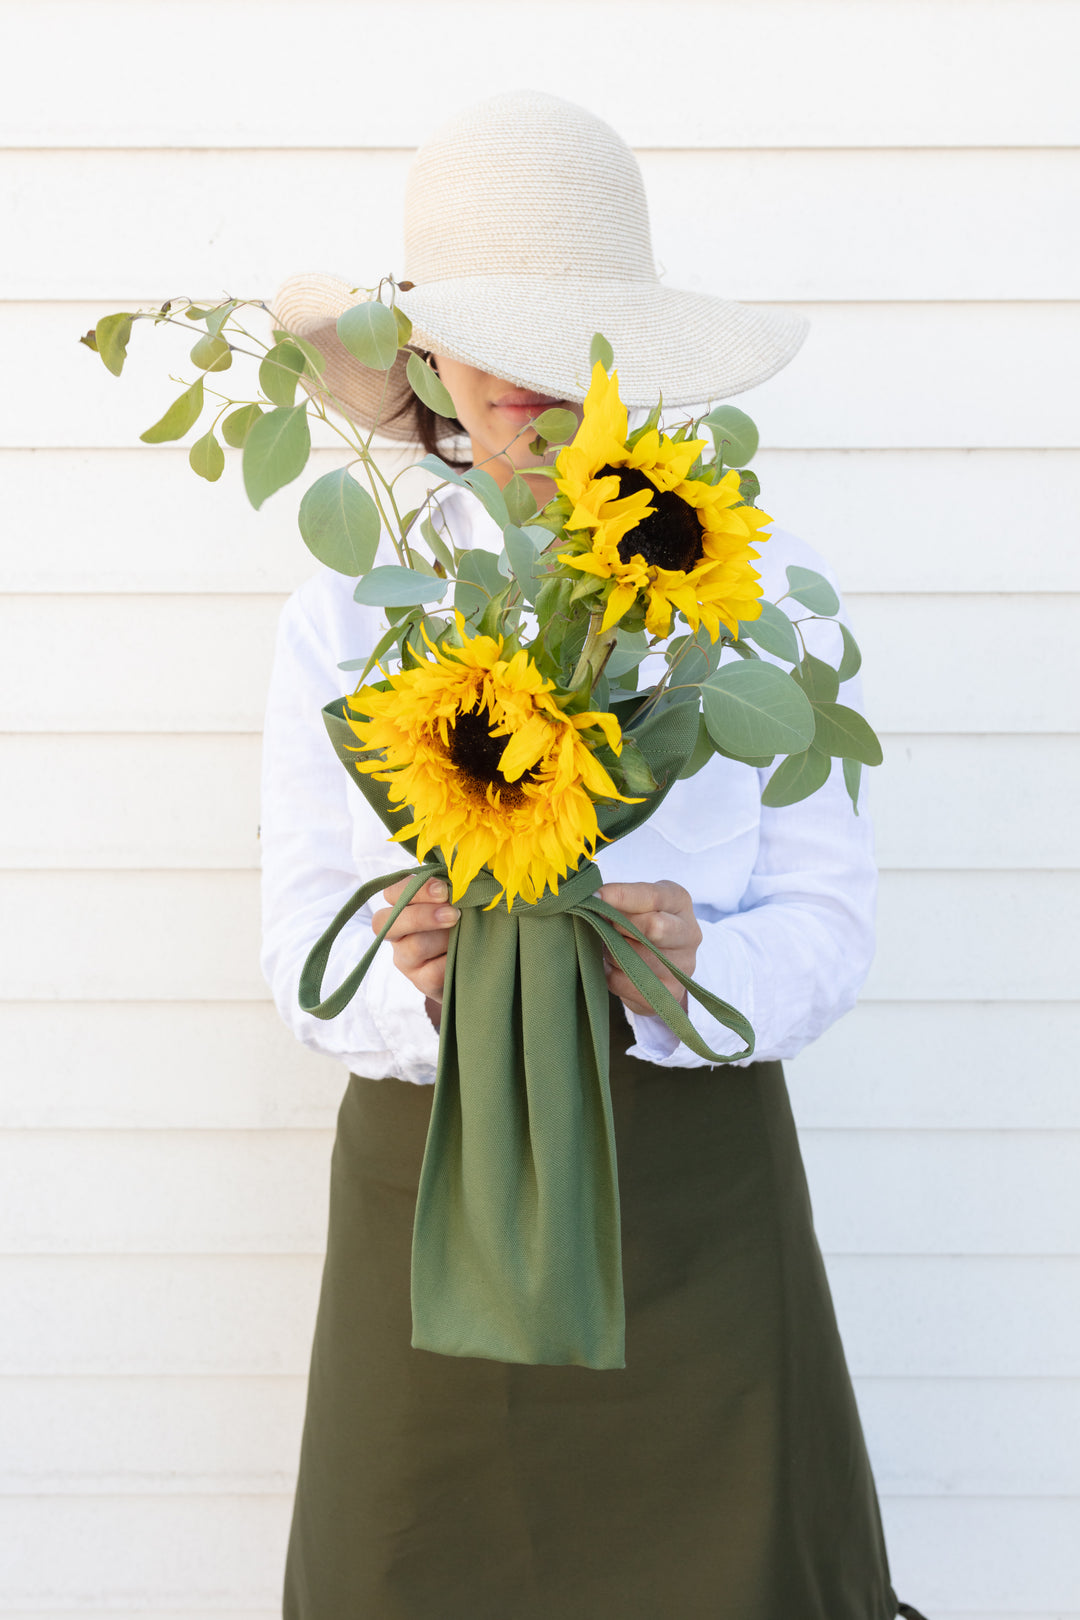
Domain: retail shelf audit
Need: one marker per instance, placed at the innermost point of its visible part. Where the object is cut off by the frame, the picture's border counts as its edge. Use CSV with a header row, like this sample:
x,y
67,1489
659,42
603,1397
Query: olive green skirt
x,y
721,1476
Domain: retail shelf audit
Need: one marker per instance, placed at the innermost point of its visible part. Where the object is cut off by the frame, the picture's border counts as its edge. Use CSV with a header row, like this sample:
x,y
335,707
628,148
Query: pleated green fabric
x,y
516,1251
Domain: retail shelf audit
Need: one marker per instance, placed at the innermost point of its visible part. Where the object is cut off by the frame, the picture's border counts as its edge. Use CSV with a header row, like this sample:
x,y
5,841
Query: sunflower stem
x,y
594,655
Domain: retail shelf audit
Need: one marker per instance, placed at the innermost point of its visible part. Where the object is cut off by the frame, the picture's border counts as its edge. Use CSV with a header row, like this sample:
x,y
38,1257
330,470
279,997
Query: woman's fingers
x,y
664,913
420,935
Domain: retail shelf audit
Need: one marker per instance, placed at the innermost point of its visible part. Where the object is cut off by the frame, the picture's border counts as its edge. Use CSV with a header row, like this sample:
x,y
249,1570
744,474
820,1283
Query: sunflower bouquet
x,y
502,729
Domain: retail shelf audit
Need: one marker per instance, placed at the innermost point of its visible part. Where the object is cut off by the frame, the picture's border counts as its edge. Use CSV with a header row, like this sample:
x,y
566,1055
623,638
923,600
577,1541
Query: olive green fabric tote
x,y
516,1244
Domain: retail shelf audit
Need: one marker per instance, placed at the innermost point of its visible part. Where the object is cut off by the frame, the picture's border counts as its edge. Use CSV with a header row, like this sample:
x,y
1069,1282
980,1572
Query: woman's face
x,y
496,415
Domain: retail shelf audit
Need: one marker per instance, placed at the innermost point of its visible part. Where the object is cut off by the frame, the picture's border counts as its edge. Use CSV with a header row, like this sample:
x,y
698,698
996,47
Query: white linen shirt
x,y
785,898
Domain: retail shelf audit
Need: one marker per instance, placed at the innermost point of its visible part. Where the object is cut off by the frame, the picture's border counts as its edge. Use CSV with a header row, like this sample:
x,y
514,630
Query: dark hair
x,y
427,428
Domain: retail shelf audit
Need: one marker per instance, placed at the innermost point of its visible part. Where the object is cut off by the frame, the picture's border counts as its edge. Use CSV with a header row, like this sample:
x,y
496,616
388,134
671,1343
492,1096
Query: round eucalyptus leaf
x,y
111,336
340,523
852,778
181,415
404,326
753,709
429,387
399,587
238,424
275,452
556,426
370,333
851,662
315,358
812,590
211,354
844,732
796,778
207,458
280,373
216,318
520,501
819,680
600,349
734,434
773,630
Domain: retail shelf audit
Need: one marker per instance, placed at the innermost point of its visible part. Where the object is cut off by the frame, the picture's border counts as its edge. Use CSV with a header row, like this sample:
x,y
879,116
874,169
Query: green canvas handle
x,y
576,897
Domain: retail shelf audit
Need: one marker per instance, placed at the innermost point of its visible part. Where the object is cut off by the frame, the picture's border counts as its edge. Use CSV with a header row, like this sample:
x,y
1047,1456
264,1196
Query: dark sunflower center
x,y
670,537
476,752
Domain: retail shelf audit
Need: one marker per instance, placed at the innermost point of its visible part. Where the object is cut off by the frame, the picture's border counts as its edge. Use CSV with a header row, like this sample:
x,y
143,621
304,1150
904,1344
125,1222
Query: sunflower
x,y
478,746
639,521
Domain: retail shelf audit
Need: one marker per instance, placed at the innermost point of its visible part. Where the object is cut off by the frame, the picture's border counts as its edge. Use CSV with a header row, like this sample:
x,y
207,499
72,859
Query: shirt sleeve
x,y
795,954
320,841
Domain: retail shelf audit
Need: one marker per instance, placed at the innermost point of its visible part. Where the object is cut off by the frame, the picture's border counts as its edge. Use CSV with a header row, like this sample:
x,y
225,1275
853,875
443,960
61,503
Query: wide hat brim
x,y
536,332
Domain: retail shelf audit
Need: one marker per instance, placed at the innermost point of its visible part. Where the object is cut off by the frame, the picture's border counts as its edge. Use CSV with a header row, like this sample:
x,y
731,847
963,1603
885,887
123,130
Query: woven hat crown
x,y
527,185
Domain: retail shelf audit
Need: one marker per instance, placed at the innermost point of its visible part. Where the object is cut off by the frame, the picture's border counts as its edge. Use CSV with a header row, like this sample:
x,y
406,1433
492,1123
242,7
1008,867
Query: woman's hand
x,y
664,913
420,938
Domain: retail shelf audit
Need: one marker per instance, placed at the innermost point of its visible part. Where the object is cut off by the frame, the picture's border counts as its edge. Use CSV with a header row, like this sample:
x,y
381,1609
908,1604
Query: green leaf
x,y
632,768
280,373
437,545
520,501
238,424
111,336
774,631
404,326
216,318
207,458
702,753
734,434
482,568
275,452
340,523
315,358
483,485
211,354
522,555
852,778
844,732
380,649
818,680
391,586
813,591
181,416
699,656
749,487
630,649
556,426
429,387
796,778
851,662
370,333
600,349
441,469
755,709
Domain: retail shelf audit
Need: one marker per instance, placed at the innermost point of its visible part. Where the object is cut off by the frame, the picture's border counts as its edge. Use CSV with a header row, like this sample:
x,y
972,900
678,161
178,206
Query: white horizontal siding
x,y
834,73
871,376
907,171
201,219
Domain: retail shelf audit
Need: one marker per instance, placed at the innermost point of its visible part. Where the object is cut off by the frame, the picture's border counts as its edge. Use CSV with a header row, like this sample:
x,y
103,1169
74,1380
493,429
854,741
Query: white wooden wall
x,y
905,170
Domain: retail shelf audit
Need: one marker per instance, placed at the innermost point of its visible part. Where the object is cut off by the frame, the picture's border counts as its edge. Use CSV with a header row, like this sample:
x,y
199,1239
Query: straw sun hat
x,y
527,231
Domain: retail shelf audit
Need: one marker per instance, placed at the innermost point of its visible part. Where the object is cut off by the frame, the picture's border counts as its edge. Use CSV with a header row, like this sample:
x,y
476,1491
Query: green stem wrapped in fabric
x,y
516,1243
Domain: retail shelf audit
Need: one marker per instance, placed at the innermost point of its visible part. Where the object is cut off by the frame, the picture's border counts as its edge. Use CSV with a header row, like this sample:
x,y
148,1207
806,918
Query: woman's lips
x,y
520,406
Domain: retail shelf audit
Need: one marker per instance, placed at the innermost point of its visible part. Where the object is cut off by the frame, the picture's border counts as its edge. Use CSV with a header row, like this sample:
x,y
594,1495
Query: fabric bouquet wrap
x,y
501,741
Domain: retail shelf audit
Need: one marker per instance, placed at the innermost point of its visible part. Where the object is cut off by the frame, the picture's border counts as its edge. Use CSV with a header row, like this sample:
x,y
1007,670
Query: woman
x,y
722,1474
